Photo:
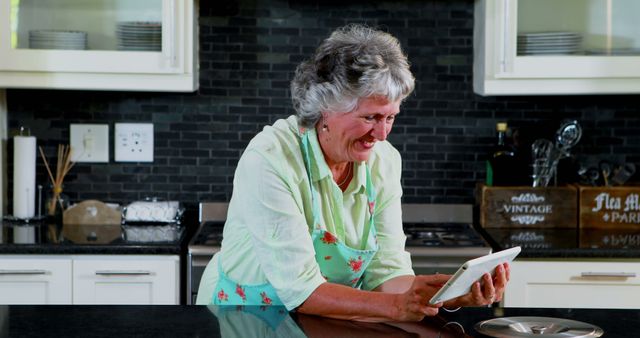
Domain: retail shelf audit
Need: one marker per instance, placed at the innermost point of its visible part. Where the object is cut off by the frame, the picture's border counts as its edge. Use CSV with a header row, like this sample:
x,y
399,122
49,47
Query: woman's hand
x,y
413,304
491,290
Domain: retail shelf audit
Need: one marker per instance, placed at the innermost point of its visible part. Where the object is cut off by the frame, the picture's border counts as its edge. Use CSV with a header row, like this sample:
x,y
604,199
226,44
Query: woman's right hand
x,y
413,305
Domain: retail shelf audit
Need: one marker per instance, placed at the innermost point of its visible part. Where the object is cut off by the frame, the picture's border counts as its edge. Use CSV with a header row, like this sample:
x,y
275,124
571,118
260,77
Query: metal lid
x,y
537,327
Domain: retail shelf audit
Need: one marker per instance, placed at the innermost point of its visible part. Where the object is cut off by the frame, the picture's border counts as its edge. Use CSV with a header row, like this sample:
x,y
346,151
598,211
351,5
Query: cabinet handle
x,y
171,23
608,274
22,272
506,37
122,273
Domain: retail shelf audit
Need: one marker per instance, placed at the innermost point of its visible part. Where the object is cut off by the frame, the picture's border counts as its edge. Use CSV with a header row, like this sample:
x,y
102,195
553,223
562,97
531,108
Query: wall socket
x,y
133,142
89,142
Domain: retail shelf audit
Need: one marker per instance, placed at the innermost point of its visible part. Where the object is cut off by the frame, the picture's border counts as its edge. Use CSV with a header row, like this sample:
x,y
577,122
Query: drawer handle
x,y
123,273
608,274
22,272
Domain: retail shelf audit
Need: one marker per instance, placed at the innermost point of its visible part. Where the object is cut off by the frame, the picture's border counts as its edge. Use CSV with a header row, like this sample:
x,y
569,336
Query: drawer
x,y
574,284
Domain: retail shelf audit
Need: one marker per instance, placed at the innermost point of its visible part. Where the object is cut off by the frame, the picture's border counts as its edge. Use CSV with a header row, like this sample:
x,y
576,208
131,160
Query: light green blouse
x,y
267,238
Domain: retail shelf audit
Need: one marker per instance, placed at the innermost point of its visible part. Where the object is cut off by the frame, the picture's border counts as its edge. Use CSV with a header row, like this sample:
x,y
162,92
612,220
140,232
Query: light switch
x,y
133,142
89,142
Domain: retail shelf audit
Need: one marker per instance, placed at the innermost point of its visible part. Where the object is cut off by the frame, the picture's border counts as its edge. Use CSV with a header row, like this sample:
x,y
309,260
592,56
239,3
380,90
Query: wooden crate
x,y
527,207
609,207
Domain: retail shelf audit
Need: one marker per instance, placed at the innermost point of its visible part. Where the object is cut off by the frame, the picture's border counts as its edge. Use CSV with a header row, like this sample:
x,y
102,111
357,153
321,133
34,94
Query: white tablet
x,y
471,271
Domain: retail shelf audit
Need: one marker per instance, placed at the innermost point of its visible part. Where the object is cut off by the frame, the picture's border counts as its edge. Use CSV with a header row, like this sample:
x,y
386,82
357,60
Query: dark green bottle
x,y
502,169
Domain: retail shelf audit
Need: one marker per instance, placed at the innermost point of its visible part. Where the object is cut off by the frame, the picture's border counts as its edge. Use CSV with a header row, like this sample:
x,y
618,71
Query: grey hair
x,y
355,62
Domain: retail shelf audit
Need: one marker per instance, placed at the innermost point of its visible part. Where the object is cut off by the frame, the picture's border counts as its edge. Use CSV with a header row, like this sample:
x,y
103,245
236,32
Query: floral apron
x,y
338,262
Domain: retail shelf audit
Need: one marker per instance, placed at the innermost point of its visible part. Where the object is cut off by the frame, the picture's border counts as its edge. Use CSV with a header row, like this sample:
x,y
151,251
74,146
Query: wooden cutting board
x,y
91,222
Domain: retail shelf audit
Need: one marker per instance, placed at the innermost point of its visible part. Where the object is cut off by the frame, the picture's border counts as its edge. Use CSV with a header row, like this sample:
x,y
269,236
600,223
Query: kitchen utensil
x,y
537,327
592,176
605,170
541,151
568,135
622,175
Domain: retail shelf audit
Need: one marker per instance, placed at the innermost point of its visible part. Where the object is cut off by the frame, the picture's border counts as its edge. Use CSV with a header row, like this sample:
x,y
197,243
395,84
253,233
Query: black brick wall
x,y
248,52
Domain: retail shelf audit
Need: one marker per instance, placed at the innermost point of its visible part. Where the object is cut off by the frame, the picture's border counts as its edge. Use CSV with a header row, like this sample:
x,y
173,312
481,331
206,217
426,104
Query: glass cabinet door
x,y
571,38
578,27
98,36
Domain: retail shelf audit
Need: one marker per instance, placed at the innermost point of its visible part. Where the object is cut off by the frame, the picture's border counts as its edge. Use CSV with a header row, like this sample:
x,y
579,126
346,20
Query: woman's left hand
x,y
488,291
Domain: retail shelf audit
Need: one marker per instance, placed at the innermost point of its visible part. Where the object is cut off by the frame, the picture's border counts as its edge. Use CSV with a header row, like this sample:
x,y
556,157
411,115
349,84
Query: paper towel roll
x,y
24,176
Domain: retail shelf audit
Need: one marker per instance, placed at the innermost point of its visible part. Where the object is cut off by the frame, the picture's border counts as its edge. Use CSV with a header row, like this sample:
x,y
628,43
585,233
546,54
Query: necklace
x,y
346,178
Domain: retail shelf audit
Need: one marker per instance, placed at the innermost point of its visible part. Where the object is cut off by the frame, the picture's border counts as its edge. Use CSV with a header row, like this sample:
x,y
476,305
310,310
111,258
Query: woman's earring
x,y
324,124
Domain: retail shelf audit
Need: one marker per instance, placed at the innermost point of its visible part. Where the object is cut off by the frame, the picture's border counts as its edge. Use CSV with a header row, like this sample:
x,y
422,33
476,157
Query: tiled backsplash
x,y
248,52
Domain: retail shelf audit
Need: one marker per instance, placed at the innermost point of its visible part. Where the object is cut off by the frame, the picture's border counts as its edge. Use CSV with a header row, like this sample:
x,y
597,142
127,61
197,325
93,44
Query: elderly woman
x,y
314,222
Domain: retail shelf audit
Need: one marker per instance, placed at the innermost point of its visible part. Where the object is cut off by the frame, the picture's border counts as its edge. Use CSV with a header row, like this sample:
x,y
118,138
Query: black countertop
x,y
42,238
566,243
199,321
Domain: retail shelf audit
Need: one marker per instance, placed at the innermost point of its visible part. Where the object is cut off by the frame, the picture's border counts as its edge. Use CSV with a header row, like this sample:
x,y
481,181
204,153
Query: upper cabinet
x,y
548,47
146,45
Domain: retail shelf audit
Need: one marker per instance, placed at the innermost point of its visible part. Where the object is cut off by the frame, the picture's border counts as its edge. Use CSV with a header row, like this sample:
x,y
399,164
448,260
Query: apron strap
x,y
314,200
371,194
370,227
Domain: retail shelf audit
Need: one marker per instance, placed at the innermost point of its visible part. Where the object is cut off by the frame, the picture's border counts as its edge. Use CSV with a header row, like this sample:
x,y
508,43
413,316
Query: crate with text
x,y
527,207
609,207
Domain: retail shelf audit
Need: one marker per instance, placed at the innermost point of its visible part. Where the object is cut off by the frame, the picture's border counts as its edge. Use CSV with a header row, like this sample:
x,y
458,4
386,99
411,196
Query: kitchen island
x,y
200,321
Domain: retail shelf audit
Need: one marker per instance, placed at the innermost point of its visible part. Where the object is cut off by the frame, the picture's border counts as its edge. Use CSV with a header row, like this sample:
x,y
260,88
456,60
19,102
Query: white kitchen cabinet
x,y
126,280
35,279
549,47
146,45
574,284
89,279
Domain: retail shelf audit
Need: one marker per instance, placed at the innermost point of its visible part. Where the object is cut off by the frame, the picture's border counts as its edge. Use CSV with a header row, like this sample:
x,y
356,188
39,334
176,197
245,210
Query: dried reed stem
x,y
63,165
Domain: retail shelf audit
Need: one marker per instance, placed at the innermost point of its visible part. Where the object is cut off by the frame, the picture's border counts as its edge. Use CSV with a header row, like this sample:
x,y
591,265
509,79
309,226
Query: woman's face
x,y
350,136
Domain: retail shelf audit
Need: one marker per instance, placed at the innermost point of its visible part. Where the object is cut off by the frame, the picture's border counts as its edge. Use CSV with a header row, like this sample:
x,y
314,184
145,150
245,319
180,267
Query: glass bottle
x,y
501,163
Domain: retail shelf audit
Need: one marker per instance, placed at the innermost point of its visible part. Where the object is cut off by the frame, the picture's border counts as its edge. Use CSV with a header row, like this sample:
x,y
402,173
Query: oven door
x,y
196,263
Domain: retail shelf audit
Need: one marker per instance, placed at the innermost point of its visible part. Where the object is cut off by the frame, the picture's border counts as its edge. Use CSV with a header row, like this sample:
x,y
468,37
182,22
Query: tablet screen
x,y
470,272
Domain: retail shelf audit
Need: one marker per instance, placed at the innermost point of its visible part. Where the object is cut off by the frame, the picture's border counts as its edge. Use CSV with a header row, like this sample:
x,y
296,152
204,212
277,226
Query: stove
x,y
442,235
439,246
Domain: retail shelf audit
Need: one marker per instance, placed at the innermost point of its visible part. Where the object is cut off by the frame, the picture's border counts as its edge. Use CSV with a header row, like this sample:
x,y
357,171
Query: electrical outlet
x,y
133,142
89,142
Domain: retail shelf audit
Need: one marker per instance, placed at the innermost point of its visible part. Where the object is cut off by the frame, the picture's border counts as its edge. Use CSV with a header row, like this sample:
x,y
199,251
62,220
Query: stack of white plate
x,y
139,35
549,43
57,39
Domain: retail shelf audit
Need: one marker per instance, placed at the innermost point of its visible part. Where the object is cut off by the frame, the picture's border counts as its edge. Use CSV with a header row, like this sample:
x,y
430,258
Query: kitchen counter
x,y
40,238
201,321
566,243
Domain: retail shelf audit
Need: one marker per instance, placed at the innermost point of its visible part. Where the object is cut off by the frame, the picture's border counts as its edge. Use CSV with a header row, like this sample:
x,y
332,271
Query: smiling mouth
x,y
367,144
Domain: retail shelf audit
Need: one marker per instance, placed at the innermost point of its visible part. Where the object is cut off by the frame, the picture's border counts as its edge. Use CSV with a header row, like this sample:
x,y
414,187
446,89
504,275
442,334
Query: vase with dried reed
x,y
57,201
